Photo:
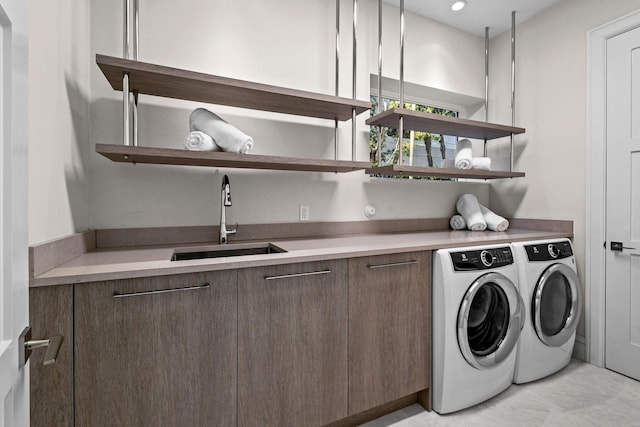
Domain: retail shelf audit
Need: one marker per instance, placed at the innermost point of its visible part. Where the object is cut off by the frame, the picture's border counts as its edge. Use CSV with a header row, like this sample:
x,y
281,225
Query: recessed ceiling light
x,y
458,5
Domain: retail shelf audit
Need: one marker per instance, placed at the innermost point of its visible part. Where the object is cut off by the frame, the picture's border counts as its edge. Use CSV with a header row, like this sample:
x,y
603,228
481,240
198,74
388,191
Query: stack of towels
x,y
465,160
475,217
209,132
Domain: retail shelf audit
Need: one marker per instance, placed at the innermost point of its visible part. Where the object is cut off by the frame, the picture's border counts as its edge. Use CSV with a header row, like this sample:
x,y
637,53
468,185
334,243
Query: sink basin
x,y
223,251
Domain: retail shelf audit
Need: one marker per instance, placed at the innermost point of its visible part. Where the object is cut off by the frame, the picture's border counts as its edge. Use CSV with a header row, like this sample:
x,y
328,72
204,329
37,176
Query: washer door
x,y
556,305
490,318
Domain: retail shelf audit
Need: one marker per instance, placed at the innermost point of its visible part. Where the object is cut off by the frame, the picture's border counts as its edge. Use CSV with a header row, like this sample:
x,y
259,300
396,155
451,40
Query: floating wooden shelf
x,y
444,125
157,80
175,83
167,156
404,170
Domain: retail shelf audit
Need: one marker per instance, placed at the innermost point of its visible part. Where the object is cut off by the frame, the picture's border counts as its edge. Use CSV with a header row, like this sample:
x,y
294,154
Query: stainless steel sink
x,y
223,251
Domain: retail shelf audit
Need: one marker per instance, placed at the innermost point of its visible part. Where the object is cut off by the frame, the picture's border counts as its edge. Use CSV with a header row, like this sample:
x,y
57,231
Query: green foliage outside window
x,y
390,152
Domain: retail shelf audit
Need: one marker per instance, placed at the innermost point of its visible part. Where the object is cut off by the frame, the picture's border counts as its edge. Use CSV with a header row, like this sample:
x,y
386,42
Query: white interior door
x,y
622,330
14,316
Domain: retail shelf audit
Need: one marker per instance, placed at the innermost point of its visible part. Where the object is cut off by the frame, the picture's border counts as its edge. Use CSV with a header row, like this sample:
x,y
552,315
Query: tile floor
x,y
580,395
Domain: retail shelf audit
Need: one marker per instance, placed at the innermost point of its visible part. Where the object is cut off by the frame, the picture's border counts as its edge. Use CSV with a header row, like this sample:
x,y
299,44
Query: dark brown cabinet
x,y
292,345
316,343
157,351
389,328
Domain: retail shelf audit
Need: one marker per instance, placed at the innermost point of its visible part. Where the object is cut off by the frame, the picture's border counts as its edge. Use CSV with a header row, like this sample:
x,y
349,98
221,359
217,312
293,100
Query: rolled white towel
x,y
226,136
468,206
482,163
457,222
448,164
200,141
464,154
494,221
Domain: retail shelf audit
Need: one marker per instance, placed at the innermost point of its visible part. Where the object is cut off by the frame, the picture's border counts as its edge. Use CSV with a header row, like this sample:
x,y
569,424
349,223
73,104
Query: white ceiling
x,y
478,14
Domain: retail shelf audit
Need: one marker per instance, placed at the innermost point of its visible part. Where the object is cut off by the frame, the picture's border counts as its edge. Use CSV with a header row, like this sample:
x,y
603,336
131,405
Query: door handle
x,y
159,291
27,345
393,264
288,276
618,246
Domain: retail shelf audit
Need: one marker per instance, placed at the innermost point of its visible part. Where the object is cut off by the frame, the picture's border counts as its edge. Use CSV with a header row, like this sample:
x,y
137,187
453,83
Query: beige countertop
x,y
133,262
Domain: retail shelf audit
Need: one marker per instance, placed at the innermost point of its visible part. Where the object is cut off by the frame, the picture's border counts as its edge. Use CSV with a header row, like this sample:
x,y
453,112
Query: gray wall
x,y
59,70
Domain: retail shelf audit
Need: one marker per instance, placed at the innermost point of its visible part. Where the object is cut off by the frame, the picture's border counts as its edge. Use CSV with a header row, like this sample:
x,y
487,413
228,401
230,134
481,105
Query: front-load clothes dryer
x,y
477,317
552,294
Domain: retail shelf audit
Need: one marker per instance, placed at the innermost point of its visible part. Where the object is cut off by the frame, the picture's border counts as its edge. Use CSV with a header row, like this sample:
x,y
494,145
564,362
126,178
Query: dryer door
x,y
556,305
490,318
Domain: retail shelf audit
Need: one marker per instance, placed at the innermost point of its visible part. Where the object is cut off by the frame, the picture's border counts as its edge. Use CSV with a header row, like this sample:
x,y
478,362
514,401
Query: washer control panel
x,y
549,251
481,259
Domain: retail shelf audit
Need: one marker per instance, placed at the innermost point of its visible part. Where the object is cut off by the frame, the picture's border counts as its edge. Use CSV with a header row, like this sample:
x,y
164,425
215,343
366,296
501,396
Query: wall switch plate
x,y
304,212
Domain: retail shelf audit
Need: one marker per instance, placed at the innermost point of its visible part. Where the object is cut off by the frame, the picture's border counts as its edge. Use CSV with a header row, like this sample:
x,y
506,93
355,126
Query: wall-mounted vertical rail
x,y
337,79
353,78
513,82
379,81
401,120
126,121
130,48
136,23
136,34
486,82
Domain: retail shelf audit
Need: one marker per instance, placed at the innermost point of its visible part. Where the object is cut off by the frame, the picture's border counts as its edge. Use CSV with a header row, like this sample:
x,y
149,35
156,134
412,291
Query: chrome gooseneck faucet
x,y
226,201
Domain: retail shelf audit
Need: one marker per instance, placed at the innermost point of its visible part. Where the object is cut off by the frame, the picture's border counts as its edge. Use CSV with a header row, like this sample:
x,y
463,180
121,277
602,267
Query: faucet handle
x,y
224,235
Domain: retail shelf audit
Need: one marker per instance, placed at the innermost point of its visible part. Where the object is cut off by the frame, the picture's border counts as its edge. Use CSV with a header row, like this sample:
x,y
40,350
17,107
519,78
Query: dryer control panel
x,y
481,259
549,251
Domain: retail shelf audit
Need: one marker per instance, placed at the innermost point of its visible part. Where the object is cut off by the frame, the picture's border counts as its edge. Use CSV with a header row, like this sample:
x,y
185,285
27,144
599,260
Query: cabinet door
x,y
389,328
158,351
292,348
51,394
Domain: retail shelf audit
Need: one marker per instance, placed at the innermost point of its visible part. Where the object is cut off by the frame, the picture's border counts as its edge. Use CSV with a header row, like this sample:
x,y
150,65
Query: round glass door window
x,y
557,303
489,320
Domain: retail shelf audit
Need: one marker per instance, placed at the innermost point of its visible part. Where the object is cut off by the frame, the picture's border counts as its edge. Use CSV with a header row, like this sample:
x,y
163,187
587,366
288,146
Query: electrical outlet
x,y
304,212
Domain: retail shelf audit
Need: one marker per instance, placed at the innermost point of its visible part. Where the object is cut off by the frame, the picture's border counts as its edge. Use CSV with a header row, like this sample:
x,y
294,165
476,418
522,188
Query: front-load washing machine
x,y
552,294
477,317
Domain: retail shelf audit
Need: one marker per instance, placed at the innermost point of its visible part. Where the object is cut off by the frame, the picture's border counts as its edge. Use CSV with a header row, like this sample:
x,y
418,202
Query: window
x,y
419,148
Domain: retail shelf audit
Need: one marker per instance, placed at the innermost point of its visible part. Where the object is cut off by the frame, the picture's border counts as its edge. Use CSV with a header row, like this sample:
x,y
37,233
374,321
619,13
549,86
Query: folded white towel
x,y
226,136
494,221
482,163
200,141
448,164
464,154
457,222
468,206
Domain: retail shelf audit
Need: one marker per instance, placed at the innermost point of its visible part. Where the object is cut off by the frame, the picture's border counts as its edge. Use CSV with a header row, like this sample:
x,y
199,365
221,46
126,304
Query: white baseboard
x,y
579,349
